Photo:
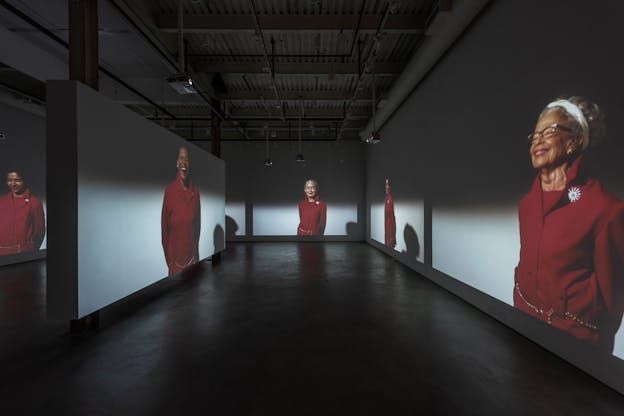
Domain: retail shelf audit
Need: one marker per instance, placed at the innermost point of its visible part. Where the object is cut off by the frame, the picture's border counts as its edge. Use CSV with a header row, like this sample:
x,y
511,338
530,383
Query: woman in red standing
x,y
22,221
389,220
312,211
571,269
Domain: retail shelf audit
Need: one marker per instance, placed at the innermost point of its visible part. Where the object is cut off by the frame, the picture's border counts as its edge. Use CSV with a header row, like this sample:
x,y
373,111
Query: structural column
x,y
215,145
83,42
215,149
83,67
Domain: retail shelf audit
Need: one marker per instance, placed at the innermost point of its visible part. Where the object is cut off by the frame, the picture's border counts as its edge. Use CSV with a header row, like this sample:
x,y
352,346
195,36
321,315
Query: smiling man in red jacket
x,y
181,219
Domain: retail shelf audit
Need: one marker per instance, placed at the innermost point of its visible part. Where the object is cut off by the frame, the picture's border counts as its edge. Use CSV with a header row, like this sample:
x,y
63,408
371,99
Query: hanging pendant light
x,y
374,137
267,161
299,158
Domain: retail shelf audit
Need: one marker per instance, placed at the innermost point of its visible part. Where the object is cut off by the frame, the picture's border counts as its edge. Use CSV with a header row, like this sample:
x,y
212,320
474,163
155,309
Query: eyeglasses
x,y
547,132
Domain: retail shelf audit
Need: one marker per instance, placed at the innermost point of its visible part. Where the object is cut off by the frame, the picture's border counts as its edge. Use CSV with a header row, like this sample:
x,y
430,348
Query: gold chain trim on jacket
x,y
551,311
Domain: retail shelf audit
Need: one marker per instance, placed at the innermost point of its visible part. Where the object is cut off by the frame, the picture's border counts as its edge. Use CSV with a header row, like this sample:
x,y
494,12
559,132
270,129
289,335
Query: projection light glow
x,y
410,227
149,204
282,220
235,218
460,236
137,215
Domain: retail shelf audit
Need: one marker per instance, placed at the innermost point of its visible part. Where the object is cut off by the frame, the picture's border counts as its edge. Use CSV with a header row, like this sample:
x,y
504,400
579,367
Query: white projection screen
x,y
263,203
469,140
123,164
399,224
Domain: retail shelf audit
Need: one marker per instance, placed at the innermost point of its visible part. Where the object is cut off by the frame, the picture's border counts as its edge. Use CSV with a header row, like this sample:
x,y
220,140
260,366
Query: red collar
x,y
26,195
575,173
181,184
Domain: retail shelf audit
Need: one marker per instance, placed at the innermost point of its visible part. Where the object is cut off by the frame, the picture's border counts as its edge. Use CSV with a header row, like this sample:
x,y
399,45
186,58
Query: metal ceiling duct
x,y
443,31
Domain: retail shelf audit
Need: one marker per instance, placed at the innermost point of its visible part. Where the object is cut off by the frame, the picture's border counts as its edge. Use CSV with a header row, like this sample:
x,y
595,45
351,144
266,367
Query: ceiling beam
x,y
292,95
295,68
320,114
312,114
227,23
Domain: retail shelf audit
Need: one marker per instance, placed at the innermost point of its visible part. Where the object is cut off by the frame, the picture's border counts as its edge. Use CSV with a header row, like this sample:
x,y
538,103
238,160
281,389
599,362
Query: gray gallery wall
x,y
108,222
458,144
23,147
261,202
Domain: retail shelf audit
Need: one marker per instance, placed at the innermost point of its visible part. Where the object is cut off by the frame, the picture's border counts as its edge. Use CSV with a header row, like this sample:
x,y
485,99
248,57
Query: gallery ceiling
x,y
267,66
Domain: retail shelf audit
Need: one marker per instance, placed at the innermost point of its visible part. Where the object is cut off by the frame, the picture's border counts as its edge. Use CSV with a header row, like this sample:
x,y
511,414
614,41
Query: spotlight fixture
x,y
299,158
267,162
374,138
182,83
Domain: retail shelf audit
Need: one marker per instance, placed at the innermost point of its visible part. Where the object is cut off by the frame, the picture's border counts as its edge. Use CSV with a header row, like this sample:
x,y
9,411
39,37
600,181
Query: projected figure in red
x,y
389,220
180,221
22,222
312,211
571,268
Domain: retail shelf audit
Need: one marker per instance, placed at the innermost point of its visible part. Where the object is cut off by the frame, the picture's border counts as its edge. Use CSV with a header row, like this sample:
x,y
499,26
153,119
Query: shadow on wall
x,y
219,238
412,245
230,228
352,230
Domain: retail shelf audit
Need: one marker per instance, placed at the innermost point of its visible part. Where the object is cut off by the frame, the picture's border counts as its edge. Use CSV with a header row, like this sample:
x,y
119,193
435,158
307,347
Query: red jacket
x,y
389,221
571,268
312,216
180,225
22,223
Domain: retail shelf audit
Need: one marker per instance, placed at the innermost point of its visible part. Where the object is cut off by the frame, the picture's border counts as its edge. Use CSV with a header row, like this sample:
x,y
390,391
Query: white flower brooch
x,y
574,193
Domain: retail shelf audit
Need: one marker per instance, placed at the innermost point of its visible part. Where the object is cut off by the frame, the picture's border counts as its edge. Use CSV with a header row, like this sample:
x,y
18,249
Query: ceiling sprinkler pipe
x,y
443,31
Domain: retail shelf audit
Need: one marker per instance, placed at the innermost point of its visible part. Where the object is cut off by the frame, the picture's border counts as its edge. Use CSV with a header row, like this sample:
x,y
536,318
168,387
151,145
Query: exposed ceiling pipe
x,y
444,30
151,40
174,65
18,13
181,38
368,62
356,34
21,100
250,118
277,55
261,139
265,53
180,65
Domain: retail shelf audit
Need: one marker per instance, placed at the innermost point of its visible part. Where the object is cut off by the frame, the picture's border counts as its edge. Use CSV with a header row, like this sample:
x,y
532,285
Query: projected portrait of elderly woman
x,y
571,268
180,220
22,221
312,211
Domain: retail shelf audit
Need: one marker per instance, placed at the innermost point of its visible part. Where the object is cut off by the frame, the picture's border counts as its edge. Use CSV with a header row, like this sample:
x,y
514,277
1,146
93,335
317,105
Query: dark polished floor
x,y
286,329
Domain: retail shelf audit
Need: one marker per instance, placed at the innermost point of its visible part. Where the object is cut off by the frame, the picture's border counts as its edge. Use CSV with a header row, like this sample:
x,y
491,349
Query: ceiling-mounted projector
x,y
182,83
374,138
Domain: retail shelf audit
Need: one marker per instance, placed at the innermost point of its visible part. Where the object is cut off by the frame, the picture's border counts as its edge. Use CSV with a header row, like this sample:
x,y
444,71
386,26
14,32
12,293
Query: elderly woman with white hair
x,y
571,269
312,211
